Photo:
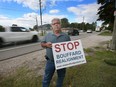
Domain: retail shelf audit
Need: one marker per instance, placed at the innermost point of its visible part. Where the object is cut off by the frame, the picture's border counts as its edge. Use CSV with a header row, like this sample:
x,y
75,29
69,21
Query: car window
x,y
18,29
15,29
23,29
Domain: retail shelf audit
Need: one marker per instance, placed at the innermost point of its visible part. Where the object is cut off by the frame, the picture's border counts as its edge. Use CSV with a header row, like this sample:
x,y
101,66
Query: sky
x,y
25,12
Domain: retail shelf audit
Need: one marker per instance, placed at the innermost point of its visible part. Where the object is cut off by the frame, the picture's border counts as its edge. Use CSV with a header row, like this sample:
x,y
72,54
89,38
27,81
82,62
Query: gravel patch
x,y
33,60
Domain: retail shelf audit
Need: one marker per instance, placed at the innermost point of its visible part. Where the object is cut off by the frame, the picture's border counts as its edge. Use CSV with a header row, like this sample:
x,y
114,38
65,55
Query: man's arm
x,y
46,45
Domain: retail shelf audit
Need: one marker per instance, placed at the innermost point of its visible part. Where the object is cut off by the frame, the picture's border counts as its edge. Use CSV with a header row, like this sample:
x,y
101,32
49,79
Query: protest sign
x,y
67,54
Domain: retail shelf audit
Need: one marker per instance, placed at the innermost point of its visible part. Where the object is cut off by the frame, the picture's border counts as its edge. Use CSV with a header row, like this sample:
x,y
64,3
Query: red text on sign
x,y
66,46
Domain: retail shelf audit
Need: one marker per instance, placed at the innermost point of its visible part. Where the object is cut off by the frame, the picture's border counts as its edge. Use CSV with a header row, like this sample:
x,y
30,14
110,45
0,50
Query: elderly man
x,y
56,36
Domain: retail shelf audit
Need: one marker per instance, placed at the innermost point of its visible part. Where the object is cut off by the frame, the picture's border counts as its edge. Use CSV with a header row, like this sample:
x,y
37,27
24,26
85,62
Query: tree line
x,y
65,24
80,26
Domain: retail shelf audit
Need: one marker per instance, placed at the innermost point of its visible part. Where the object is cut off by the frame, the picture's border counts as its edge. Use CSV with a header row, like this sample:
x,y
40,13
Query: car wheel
x,y
34,39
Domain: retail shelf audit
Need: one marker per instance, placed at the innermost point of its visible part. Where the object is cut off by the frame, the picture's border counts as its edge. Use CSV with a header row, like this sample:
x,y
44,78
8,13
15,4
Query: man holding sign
x,y
55,37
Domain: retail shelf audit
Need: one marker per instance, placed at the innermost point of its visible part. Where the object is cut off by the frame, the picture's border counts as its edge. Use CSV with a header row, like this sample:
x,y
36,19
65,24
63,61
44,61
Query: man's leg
x,y
61,75
49,71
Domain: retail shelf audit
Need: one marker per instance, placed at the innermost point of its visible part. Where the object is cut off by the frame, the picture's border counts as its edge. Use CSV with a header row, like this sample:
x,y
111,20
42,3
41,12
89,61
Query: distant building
x,y
97,29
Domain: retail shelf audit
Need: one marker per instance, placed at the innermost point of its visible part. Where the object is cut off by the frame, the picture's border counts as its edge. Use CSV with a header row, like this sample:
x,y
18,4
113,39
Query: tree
x,y
64,23
113,45
88,26
108,17
35,27
73,25
79,26
94,24
1,28
106,11
83,27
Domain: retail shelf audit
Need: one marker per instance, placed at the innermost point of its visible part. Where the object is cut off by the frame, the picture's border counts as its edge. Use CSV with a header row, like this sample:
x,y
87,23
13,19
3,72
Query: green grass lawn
x,y
97,72
106,33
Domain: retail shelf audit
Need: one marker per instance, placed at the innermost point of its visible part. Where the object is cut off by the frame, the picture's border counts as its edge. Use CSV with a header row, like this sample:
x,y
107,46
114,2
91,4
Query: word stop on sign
x,y
65,46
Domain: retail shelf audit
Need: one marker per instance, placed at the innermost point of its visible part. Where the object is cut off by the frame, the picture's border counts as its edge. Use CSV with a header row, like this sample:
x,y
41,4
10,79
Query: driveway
x,y
94,40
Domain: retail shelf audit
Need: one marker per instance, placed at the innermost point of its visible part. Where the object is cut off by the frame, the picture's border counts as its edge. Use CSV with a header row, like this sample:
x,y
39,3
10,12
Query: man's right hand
x,y
49,44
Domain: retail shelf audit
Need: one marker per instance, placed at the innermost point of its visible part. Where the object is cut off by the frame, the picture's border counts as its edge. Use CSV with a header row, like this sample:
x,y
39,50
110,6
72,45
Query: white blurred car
x,y
89,31
16,34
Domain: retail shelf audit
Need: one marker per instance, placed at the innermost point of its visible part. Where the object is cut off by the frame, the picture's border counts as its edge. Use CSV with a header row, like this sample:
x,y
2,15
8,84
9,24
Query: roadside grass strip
x,y
106,33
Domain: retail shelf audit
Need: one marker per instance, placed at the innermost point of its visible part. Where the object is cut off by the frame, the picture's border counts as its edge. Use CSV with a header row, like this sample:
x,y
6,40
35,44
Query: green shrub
x,y
110,61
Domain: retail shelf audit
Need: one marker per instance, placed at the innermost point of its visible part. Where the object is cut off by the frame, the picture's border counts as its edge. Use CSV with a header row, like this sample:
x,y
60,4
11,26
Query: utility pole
x,y
113,44
37,24
36,20
40,15
83,24
40,12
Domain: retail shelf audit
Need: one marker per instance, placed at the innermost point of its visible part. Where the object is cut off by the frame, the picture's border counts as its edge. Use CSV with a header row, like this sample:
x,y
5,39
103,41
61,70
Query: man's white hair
x,y
55,19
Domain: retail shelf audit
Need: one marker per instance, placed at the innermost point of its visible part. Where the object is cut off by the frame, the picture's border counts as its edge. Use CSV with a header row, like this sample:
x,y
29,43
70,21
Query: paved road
x,y
36,60
14,51
9,46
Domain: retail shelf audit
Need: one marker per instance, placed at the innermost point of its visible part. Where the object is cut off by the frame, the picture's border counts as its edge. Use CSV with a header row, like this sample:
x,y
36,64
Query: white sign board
x,y
67,54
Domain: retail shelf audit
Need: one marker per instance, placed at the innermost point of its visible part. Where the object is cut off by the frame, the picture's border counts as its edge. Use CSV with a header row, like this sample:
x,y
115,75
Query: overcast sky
x,y
24,12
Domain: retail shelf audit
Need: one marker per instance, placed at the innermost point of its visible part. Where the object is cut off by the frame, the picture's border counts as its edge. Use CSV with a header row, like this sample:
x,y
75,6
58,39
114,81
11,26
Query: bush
x,y
1,28
110,62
